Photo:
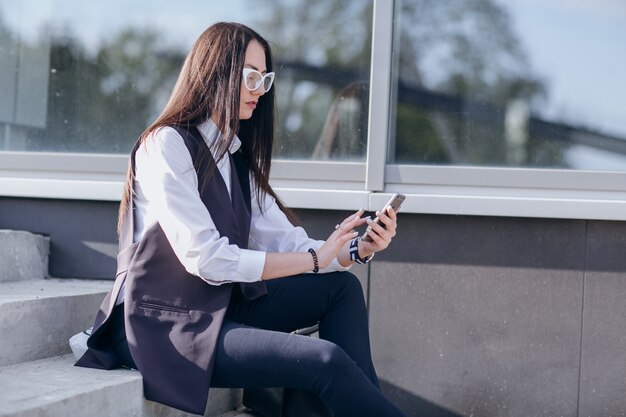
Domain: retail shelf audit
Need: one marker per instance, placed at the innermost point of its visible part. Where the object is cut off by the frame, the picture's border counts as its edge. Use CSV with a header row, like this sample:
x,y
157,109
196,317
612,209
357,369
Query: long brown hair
x,y
209,84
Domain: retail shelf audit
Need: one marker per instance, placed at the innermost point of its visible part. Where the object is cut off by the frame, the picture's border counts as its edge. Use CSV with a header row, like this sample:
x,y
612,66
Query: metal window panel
x,y
380,86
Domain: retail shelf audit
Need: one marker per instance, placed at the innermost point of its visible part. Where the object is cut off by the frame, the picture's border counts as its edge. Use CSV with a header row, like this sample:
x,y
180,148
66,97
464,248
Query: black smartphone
x,y
395,202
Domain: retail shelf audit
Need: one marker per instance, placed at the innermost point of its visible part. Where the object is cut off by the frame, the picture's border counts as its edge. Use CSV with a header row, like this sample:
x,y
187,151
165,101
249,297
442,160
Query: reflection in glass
x,y
344,132
498,83
323,63
90,76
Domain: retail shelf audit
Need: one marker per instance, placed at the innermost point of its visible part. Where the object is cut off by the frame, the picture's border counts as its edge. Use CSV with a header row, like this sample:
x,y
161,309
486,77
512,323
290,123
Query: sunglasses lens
x,y
253,80
267,81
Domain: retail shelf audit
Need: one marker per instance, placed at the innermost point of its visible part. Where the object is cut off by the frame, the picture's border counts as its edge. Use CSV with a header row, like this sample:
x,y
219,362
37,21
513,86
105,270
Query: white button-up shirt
x,y
166,191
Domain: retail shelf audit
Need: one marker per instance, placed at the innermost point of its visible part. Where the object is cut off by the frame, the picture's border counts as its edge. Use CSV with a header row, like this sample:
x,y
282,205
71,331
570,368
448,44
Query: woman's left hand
x,y
381,236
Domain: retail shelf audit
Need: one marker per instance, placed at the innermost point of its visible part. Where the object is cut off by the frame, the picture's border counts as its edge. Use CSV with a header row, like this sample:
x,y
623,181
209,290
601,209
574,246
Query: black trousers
x,y
256,349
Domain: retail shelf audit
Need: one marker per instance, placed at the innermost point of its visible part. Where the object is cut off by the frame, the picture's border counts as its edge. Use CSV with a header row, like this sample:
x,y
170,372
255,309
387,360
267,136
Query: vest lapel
x,y
231,216
241,200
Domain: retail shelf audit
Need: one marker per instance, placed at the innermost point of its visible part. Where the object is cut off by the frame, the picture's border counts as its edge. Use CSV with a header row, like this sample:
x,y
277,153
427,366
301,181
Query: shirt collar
x,y
208,130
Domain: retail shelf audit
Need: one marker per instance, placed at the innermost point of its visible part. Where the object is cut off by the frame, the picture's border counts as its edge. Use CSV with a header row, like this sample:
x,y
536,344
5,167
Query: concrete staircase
x,y
38,315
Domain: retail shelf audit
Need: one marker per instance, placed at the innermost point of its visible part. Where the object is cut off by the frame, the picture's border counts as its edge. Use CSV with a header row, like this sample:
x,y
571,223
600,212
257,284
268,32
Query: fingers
x,y
388,219
348,236
331,248
383,229
378,233
392,213
351,221
344,231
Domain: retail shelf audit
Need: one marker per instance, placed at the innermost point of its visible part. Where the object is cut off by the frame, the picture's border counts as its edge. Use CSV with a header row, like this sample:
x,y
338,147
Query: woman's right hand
x,y
343,232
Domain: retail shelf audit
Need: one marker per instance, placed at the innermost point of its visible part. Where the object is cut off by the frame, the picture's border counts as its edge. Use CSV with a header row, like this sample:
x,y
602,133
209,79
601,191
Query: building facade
x,y
502,294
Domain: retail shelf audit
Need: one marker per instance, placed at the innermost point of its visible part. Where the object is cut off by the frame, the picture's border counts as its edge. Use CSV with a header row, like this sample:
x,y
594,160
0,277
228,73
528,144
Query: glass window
x,y
324,69
90,76
523,83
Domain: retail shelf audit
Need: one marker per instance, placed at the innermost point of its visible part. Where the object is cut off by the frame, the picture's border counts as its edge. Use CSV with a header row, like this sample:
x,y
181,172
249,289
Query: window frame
x,y
447,190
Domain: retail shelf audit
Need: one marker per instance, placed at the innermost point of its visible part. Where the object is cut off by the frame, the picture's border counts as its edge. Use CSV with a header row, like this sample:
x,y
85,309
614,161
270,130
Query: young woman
x,y
203,238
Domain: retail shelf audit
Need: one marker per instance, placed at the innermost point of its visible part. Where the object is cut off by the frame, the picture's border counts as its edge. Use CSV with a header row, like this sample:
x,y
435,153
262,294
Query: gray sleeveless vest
x,y
173,318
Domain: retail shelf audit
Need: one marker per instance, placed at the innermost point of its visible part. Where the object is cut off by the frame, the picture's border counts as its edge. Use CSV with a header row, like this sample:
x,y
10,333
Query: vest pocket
x,y
162,307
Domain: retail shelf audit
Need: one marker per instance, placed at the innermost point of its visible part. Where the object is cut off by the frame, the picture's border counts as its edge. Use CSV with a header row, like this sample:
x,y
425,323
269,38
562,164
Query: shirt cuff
x,y
336,266
250,265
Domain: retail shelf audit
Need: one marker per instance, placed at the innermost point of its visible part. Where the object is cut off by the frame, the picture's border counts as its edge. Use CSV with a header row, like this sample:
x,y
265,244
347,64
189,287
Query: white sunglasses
x,y
253,79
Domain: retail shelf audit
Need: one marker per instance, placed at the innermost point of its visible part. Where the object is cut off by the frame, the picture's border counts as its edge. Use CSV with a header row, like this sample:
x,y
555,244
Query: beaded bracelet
x,y
354,253
316,265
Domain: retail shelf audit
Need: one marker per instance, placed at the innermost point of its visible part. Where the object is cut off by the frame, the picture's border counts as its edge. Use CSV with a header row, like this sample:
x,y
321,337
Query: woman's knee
x,y
332,359
334,366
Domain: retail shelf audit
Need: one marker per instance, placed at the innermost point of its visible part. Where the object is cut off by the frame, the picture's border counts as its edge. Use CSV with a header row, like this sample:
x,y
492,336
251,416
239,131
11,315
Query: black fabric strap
x,y
354,253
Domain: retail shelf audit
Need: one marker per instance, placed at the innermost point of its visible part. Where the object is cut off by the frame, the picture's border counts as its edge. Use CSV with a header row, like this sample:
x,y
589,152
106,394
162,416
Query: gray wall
x,y
470,316
83,237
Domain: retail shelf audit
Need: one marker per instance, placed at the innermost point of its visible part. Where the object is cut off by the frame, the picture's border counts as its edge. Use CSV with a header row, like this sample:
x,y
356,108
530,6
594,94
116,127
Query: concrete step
x,y
53,387
37,317
23,255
